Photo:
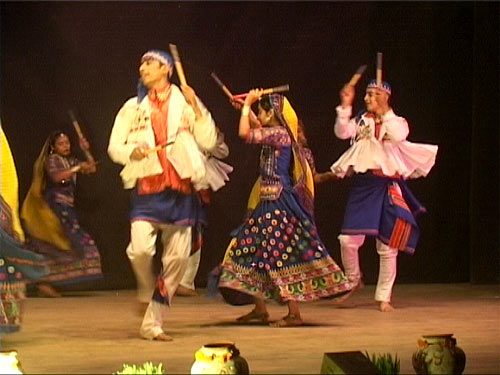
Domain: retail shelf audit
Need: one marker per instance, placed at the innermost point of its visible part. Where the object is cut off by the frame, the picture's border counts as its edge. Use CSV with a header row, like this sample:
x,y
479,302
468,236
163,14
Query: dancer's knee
x,y
351,241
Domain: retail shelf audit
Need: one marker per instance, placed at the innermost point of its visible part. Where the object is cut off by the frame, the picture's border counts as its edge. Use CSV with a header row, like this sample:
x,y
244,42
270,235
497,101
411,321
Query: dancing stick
x,y
178,65
379,69
157,148
78,130
253,117
355,78
222,86
265,91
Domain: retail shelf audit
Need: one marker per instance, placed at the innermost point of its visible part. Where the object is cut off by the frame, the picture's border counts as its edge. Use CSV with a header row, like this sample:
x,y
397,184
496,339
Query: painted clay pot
x,y
9,364
219,358
438,354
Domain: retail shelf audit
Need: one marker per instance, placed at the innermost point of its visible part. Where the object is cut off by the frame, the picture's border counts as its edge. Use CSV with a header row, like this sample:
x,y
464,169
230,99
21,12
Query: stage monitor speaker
x,y
347,363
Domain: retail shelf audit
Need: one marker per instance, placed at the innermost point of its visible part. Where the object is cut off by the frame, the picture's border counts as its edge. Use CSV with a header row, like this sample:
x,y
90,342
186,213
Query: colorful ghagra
x,y
18,266
82,261
277,253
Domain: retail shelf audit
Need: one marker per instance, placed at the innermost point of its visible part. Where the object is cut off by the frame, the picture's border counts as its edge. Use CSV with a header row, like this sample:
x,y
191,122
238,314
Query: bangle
x,y
245,111
76,168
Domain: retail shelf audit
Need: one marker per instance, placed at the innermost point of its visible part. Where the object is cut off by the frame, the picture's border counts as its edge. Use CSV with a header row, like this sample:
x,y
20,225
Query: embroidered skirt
x,y
17,267
277,254
82,262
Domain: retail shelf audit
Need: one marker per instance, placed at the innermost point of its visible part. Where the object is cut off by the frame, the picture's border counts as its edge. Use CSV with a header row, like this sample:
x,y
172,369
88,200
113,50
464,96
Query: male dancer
x,y
380,204
160,136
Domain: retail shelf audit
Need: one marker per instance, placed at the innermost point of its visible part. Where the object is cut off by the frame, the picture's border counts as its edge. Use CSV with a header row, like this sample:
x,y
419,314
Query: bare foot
x,y
262,316
386,307
163,337
46,290
359,285
288,321
182,291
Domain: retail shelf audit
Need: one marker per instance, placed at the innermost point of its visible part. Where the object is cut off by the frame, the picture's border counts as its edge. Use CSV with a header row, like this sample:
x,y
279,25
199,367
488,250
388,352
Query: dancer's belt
x,y
378,172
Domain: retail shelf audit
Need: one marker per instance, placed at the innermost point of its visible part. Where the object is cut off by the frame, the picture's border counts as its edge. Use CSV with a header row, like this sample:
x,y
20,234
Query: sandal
x,y
288,321
254,315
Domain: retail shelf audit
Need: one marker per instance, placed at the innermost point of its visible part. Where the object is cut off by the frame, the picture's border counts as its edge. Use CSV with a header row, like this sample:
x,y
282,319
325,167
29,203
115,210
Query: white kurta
x,y
186,139
389,152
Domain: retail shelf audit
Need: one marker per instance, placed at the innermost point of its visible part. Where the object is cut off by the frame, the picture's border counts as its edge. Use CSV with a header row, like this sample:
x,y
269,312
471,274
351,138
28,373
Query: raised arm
x,y
204,129
344,127
90,166
244,127
238,105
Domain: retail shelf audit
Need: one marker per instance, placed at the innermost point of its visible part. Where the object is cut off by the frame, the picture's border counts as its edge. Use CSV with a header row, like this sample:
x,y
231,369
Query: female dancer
x,y
18,266
276,253
50,218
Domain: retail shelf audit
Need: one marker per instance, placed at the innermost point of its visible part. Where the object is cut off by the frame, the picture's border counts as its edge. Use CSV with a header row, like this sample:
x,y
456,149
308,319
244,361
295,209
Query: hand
x,y
84,144
189,95
75,169
87,167
138,153
237,103
325,176
347,95
253,96
330,176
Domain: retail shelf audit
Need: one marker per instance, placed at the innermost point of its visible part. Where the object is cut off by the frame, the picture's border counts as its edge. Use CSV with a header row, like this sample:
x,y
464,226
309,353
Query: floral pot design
x,y
438,354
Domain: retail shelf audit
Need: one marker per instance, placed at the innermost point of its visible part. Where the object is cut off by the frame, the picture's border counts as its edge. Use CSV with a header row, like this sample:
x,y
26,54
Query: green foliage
x,y
385,363
146,369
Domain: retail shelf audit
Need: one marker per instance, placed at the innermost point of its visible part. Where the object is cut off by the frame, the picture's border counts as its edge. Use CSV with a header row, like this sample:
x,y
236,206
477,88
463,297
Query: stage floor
x,y
96,332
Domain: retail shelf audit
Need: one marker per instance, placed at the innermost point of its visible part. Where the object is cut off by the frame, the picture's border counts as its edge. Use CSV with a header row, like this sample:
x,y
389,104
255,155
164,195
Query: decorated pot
x,y
219,358
9,364
438,354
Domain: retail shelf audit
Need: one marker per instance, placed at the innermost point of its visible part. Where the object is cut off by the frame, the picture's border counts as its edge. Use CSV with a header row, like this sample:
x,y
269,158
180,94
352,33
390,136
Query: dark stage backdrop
x,y
440,57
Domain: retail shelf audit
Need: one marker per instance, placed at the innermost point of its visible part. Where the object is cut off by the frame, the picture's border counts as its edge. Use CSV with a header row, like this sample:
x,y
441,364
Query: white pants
x,y
349,248
176,242
191,270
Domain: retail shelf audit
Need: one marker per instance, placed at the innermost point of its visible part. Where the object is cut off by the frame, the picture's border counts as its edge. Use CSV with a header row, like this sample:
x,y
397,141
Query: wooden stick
x,y
157,148
178,65
222,86
355,78
75,124
253,116
78,130
282,88
265,91
379,69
